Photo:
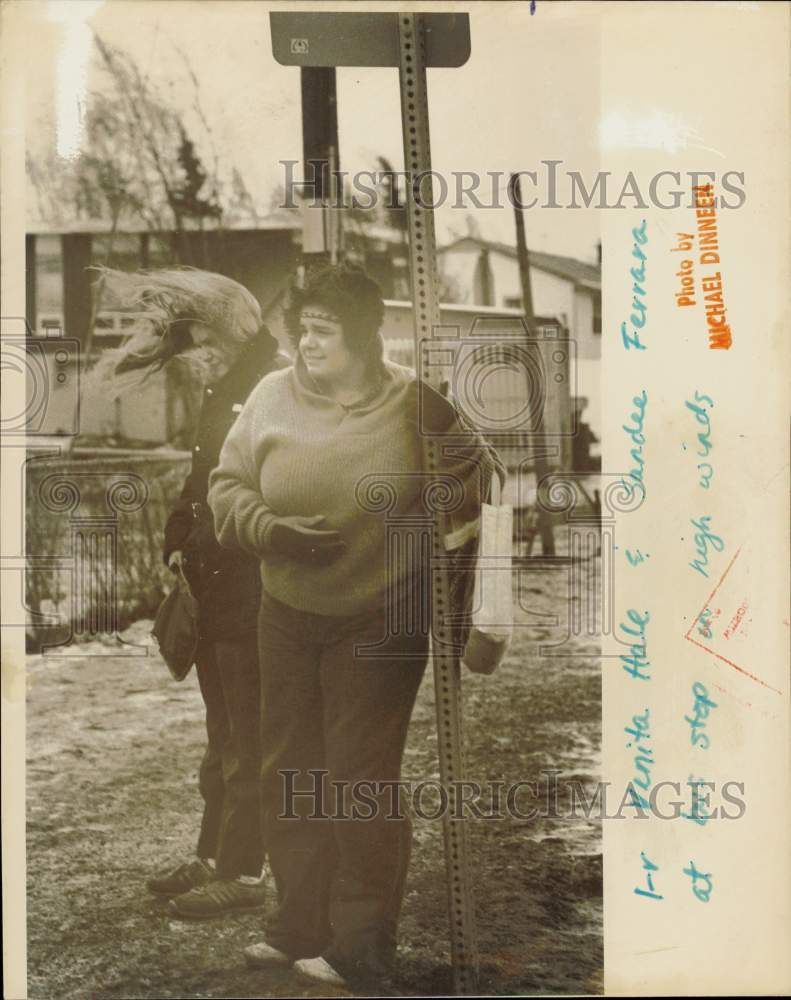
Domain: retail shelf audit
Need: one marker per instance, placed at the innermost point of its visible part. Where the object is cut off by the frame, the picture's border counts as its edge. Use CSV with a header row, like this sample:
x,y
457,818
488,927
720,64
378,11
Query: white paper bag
x,y
493,610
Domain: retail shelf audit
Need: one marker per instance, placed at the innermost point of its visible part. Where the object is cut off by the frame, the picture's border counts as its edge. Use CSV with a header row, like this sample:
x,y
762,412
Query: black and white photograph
x,y
344,491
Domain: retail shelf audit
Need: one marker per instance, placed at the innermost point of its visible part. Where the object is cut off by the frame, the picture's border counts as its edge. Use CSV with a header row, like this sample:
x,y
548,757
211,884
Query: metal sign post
x,y
321,232
447,678
412,42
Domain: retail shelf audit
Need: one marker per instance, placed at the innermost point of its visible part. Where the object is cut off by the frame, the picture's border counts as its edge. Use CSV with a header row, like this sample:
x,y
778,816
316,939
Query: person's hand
x,y
301,539
176,561
433,413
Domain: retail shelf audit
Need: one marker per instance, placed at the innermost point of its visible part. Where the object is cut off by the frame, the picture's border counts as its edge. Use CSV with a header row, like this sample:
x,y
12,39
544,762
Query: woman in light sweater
x,y
344,623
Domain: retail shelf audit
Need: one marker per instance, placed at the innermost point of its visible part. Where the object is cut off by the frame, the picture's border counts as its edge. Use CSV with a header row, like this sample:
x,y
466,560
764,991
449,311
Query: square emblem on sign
x,y
299,46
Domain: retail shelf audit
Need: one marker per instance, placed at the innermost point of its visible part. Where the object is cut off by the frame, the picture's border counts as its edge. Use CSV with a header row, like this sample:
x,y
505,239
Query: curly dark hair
x,y
350,294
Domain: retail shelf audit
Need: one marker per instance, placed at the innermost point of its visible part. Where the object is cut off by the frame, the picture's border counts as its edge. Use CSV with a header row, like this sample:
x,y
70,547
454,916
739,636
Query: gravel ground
x,y
113,750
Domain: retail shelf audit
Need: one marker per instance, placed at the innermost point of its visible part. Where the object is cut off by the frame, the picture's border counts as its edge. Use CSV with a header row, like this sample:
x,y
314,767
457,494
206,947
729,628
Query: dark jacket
x,y
226,582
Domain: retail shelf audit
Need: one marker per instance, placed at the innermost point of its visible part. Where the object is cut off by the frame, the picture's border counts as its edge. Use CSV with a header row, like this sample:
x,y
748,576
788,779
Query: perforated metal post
x,y
447,682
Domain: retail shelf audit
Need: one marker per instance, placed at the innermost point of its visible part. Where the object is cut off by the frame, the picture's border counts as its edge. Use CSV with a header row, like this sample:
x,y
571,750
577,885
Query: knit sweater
x,y
294,451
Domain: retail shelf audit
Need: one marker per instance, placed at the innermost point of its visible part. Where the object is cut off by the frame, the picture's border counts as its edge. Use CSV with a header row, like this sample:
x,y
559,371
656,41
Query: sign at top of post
x,y
364,39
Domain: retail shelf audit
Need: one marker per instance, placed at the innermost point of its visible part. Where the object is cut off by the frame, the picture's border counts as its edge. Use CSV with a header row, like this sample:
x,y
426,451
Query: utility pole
x,y
545,529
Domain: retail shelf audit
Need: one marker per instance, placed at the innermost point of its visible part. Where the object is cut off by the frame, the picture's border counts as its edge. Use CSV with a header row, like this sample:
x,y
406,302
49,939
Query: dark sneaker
x,y
180,879
223,895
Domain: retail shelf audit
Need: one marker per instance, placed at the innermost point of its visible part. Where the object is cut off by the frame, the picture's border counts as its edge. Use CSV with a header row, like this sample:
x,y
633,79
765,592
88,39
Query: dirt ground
x,y
112,757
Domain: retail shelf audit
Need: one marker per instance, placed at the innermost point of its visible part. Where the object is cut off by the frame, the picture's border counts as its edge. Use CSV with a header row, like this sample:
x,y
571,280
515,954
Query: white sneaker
x,y
262,955
319,970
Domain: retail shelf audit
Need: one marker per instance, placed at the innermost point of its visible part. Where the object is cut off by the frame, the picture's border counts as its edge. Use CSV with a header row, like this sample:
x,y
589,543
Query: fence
x,y
94,529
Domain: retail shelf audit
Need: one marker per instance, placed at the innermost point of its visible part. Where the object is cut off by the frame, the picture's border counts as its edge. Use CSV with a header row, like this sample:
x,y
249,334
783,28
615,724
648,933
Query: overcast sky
x,y
528,93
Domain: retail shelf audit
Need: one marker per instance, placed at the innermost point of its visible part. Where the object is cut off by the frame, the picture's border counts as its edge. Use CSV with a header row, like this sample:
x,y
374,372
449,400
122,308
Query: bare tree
x,y
140,162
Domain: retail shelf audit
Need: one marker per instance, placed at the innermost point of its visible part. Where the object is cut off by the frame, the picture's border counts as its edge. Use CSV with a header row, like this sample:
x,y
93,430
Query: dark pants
x,y
230,771
340,881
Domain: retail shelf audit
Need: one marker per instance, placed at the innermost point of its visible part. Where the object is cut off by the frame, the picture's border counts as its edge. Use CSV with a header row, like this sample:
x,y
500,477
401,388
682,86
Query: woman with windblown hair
x,y
211,325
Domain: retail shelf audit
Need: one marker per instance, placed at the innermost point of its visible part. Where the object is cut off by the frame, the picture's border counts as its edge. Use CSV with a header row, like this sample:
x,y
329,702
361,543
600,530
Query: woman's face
x,y
322,345
216,361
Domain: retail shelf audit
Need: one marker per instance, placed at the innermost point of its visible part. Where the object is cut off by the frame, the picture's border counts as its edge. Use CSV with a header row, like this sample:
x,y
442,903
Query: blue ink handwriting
x,y
635,431
706,470
705,444
701,892
643,759
639,306
704,623
701,708
703,539
636,664
649,868
700,801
